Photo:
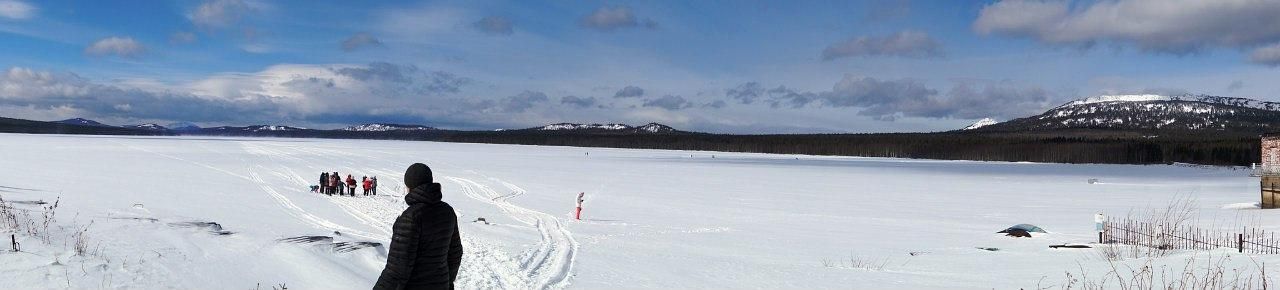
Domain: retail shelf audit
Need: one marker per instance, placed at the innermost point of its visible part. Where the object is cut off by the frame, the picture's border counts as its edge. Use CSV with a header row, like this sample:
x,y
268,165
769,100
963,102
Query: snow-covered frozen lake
x,y
652,218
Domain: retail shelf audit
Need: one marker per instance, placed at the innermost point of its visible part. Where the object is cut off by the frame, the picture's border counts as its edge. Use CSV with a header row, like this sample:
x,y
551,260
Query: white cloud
x,y
907,43
496,25
417,23
66,92
1267,55
257,48
16,9
222,13
182,37
613,18
1164,26
359,40
118,46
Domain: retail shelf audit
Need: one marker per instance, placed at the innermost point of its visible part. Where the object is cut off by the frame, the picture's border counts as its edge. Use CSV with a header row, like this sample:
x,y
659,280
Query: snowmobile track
x,y
549,265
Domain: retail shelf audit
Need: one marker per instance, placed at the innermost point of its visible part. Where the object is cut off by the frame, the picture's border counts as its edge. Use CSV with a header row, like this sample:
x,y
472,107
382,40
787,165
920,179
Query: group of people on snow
x,y
332,183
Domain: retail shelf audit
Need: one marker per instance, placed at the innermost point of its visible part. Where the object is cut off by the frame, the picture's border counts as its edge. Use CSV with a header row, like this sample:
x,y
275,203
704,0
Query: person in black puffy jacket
x,y
426,249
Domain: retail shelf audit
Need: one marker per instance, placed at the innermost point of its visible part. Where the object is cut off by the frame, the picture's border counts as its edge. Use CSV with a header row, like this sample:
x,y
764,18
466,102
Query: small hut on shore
x,y
1269,170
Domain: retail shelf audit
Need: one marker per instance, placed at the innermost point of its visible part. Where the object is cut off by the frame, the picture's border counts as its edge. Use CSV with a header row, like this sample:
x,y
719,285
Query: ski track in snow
x,y
299,212
549,264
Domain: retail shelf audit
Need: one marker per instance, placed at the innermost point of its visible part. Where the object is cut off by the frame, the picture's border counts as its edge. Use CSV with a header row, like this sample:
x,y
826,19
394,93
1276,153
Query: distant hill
x,y
1153,113
384,127
183,126
253,129
9,125
83,122
981,123
148,127
1129,129
651,128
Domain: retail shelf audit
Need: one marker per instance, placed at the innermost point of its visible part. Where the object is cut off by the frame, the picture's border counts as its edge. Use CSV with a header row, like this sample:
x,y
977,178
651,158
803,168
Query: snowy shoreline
x,y
653,218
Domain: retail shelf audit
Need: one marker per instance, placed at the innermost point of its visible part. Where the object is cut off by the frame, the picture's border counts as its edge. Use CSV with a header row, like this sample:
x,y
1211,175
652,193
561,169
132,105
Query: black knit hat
x,y
417,174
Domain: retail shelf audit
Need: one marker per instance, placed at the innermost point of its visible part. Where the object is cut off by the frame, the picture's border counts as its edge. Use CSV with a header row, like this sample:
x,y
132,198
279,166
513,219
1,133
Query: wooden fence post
x,y
1240,242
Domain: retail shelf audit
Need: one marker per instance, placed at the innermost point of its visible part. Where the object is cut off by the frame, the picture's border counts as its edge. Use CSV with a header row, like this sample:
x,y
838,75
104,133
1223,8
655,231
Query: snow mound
x,y
1242,205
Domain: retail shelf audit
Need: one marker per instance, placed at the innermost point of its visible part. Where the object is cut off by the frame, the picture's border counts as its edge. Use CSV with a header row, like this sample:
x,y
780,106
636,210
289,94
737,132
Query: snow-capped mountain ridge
x,y
384,127
981,123
650,128
575,126
83,122
1229,101
258,128
1154,112
148,126
183,126
656,128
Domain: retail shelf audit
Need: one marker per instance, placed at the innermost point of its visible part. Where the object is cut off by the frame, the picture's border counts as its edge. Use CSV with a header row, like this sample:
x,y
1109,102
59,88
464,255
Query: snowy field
x,y
652,219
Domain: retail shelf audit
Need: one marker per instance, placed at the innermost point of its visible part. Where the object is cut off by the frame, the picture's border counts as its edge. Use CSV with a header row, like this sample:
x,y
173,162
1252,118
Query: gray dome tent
x,y
1023,227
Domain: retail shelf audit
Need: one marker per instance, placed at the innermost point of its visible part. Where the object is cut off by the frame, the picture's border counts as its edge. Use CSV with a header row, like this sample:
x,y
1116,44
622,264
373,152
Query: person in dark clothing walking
x,y
426,249
324,182
334,184
375,185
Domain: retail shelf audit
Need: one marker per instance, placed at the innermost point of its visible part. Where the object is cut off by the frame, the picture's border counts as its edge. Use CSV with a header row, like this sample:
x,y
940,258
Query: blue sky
x,y
717,66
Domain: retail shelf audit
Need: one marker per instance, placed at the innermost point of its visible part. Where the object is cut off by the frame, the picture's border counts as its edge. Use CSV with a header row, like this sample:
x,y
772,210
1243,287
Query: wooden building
x,y
1269,170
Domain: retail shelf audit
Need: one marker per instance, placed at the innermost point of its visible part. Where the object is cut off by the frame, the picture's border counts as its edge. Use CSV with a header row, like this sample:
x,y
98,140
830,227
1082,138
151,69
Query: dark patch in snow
x,y
327,243
307,239
18,188
136,219
213,227
346,247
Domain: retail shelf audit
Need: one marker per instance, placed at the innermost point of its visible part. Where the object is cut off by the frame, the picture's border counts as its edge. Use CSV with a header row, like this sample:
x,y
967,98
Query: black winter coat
x,y
426,250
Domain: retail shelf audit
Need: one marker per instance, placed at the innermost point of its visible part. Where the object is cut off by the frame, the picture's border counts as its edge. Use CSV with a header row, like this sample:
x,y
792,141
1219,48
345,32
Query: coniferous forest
x,y
1056,146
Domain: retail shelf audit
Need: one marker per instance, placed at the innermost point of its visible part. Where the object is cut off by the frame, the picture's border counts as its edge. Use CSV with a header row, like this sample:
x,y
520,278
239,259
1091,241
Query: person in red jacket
x,y
367,184
351,185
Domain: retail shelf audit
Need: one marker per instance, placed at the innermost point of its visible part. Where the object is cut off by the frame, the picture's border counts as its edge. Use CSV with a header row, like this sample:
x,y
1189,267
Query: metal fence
x,y
1247,240
1263,170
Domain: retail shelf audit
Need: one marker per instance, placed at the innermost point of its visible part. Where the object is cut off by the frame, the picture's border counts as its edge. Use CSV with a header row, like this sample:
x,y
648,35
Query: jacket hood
x,y
427,193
